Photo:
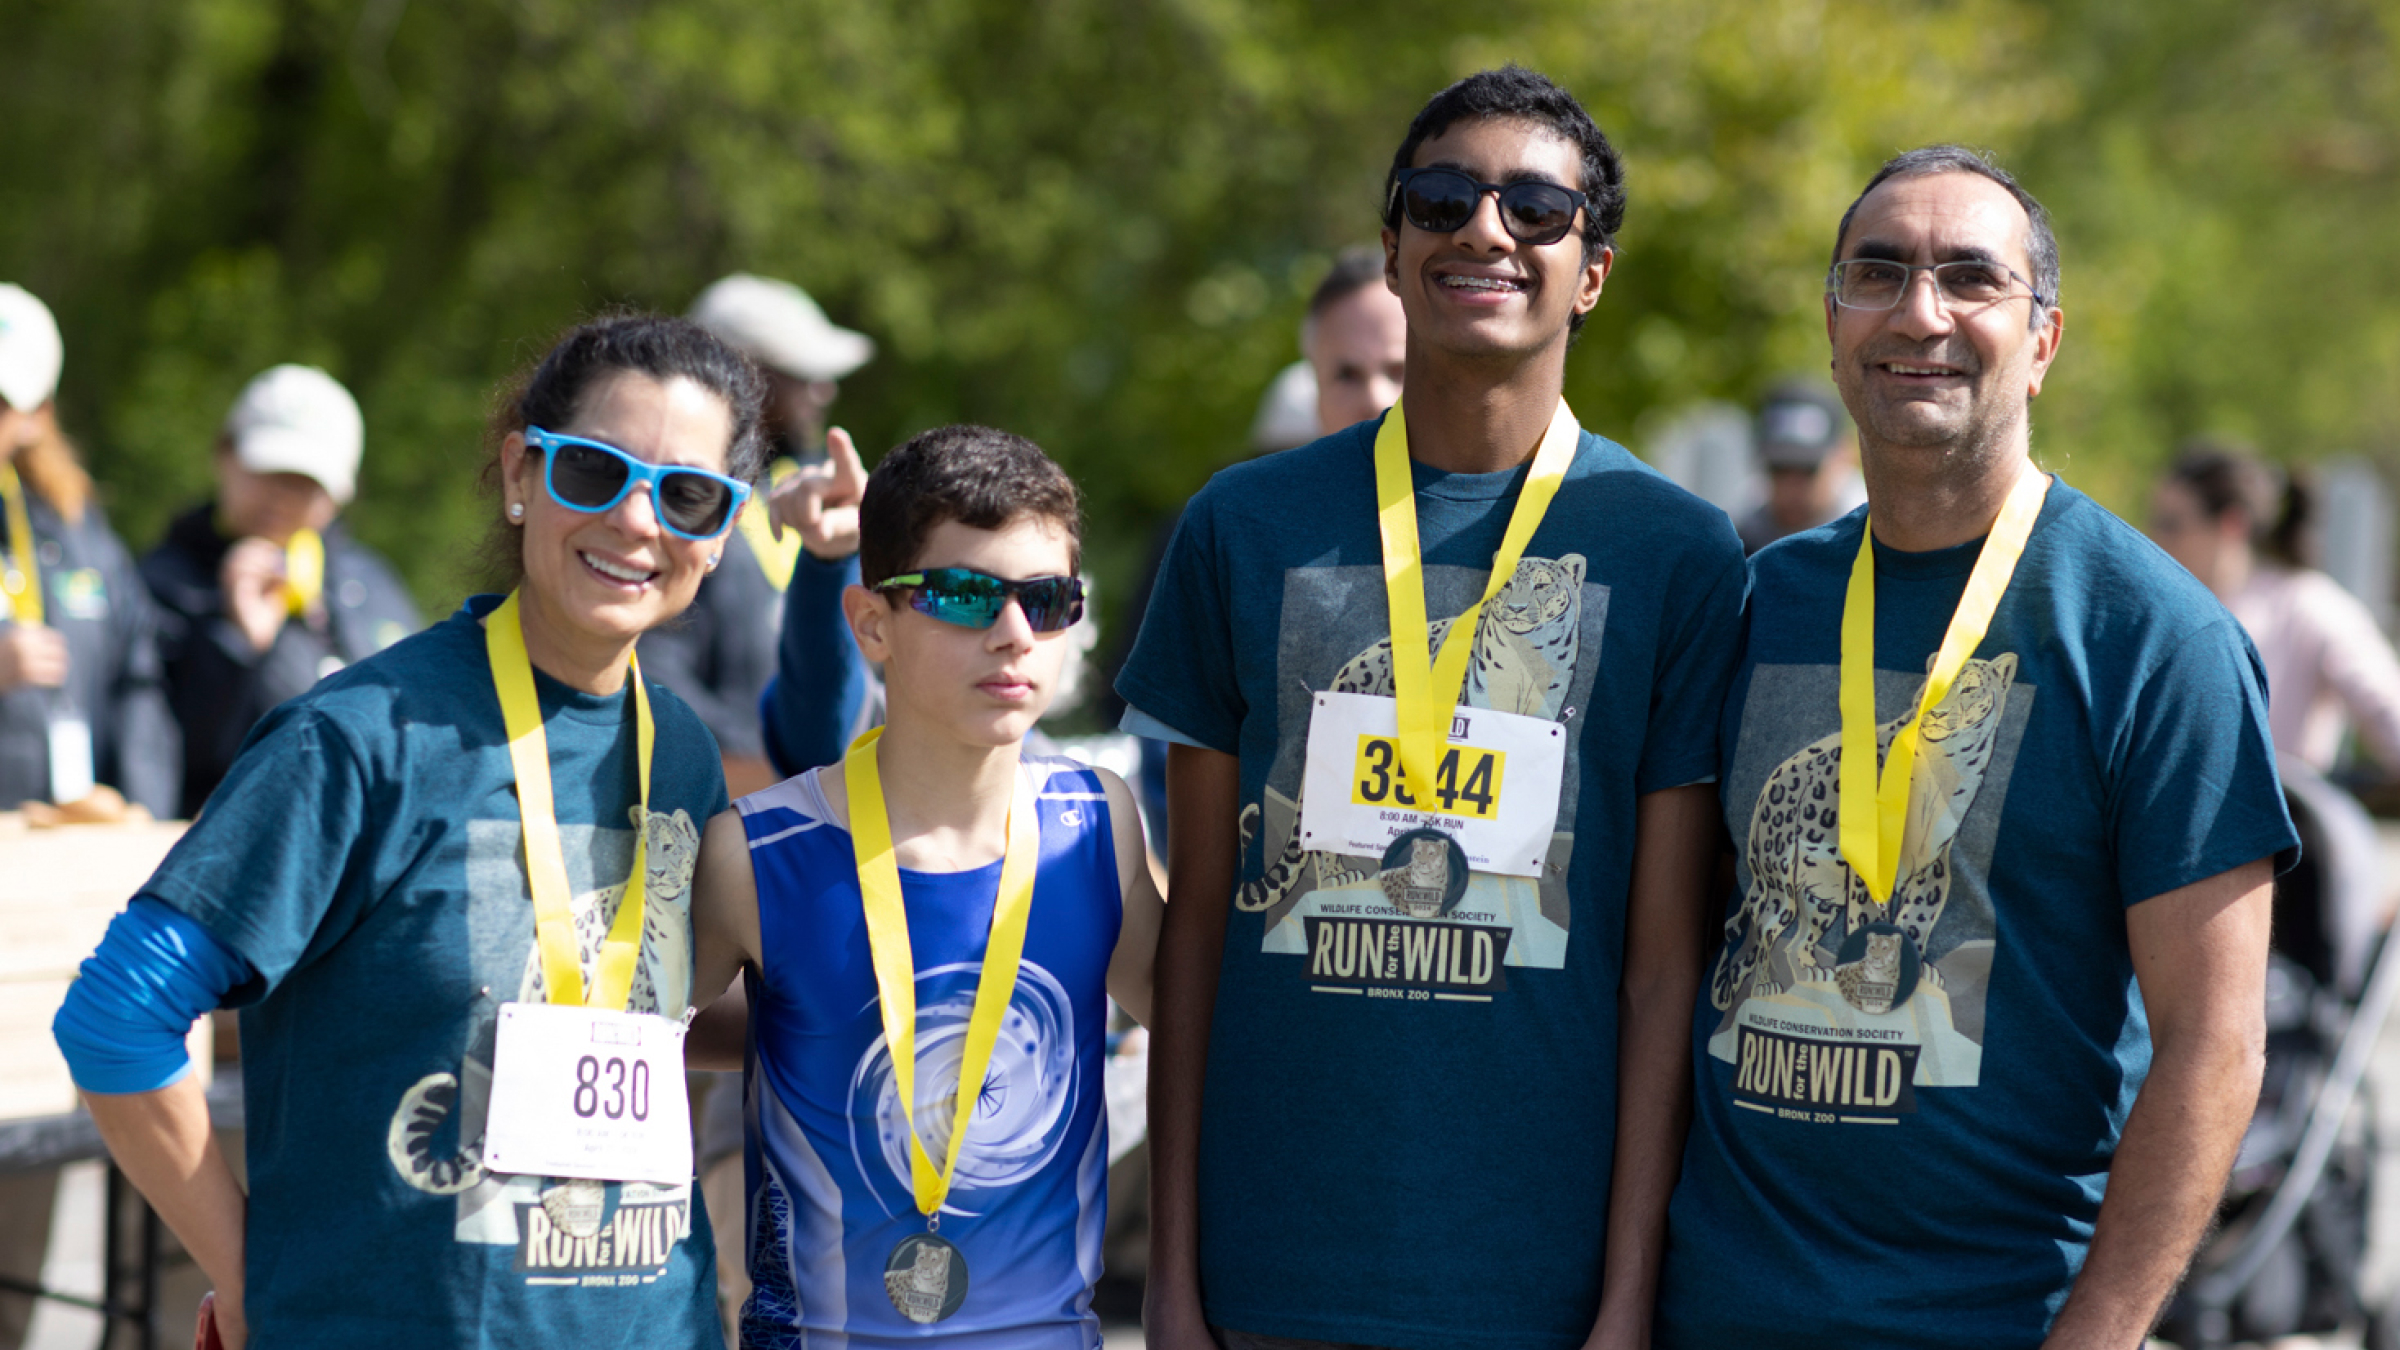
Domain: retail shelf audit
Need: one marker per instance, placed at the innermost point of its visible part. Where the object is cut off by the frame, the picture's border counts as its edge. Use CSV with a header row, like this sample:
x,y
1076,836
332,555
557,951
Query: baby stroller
x,y
2289,1252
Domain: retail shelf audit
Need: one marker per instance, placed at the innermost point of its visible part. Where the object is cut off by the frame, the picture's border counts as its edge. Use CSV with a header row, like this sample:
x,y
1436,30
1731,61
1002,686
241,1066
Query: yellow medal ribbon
x,y
1871,838
303,571
895,964
21,580
1426,686
776,557
545,858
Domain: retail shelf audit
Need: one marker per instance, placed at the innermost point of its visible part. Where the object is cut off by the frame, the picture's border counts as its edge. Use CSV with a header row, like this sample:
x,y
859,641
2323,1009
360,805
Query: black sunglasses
x,y
1532,210
588,475
972,599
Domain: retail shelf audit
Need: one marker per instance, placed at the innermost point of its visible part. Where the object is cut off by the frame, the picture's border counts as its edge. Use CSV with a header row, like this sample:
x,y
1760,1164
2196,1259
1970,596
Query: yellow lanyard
x,y
303,571
1871,838
776,557
895,964
21,580
545,858
1427,687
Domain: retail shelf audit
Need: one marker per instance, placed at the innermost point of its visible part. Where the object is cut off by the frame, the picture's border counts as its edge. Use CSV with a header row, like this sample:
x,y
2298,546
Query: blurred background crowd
x,y
1097,223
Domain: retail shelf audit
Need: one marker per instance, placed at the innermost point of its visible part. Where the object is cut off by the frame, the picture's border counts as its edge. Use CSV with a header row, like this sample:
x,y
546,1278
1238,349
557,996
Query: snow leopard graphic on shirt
x,y
564,1230
1534,648
1834,1004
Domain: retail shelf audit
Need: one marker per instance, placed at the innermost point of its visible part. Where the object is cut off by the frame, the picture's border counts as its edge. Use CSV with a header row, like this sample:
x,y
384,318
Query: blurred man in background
x,y
1355,340
1810,453
1354,349
721,654
804,354
263,592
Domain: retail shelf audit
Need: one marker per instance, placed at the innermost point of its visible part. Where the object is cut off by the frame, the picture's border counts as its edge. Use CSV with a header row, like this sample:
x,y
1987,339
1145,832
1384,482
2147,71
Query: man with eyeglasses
x,y
1437,856
1986,1029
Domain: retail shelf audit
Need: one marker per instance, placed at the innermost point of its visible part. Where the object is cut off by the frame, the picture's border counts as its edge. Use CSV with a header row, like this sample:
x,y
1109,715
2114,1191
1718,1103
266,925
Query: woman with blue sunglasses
x,y
449,889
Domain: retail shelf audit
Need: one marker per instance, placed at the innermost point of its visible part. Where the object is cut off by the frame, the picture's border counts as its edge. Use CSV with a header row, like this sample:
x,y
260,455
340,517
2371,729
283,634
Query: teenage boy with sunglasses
x,y
937,909
1412,1025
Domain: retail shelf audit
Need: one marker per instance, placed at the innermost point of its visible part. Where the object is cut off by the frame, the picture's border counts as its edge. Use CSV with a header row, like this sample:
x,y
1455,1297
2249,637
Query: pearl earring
x,y
516,511
712,561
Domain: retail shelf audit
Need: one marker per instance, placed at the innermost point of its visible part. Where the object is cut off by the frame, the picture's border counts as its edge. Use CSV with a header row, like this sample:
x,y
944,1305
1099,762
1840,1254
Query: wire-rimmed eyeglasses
x,y
1878,283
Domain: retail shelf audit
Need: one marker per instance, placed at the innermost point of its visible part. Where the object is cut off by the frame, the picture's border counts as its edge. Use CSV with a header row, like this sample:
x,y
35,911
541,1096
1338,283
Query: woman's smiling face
x,y
597,580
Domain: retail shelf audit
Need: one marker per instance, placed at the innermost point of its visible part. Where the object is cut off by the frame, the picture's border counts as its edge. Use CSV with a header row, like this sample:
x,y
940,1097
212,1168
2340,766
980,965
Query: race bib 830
x,y
589,1092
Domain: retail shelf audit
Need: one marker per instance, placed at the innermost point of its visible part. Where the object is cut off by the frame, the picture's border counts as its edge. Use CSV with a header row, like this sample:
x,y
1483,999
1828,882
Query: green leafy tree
x,y
1096,221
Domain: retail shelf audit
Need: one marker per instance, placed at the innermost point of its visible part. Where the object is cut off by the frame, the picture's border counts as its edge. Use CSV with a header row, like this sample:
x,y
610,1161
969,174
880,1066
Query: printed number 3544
x,y
1466,781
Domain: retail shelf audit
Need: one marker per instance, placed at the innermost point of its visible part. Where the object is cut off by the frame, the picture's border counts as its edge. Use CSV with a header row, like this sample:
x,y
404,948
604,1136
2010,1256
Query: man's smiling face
x,y
1924,373
1477,290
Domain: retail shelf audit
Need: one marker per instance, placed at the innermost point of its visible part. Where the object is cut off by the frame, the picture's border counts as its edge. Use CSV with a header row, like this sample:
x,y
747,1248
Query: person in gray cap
x,y
262,590
1810,453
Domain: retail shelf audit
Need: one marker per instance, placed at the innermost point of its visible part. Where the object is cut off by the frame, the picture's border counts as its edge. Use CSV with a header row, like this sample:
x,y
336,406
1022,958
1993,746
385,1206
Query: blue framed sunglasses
x,y
585,475
972,599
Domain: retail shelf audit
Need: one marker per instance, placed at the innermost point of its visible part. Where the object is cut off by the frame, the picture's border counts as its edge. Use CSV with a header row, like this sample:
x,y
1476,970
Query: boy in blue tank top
x,y
937,909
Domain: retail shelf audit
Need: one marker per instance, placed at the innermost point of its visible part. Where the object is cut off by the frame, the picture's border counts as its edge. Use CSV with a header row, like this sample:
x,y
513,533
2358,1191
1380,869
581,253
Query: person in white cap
x,y
803,353
764,654
80,700
722,657
81,710
262,590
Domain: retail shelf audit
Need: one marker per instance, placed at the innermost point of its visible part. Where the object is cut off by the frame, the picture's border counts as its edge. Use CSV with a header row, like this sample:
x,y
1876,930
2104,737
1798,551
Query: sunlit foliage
x,y
1094,221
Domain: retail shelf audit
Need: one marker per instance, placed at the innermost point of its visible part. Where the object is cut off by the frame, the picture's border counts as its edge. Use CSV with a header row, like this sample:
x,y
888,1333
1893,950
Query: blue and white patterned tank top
x,y
825,1154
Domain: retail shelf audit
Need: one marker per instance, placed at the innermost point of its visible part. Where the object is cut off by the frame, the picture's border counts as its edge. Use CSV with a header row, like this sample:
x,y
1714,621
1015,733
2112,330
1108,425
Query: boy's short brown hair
x,y
974,475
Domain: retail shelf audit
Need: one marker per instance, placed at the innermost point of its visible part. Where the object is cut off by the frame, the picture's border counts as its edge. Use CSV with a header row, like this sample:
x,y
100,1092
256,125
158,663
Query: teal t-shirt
x,y
1410,1113
365,856
1905,1114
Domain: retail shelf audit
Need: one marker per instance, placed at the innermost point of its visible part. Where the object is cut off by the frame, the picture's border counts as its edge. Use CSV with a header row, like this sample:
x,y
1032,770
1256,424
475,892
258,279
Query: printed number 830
x,y
612,1088
1465,783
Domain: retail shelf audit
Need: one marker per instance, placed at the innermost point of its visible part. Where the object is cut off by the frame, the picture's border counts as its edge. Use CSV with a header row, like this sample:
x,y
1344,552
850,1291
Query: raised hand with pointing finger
x,y
821,501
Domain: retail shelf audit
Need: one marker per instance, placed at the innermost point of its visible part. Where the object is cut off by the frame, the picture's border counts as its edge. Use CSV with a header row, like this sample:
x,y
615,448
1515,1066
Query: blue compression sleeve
x,y
822,686
123,1025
